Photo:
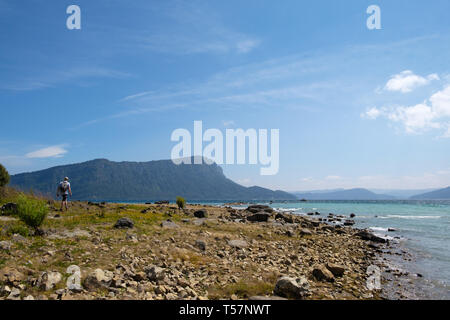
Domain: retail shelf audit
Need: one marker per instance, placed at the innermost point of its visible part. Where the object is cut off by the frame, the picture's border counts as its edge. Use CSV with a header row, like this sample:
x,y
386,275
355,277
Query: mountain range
x,y
440,194
350,194
102,179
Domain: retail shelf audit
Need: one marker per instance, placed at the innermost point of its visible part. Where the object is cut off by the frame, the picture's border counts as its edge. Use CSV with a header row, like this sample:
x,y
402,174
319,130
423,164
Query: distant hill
x,y
350,194
441,194
402,193
102,179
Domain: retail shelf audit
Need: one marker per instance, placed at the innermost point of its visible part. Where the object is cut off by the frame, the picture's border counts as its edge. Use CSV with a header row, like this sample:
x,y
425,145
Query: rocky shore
x,y
118,251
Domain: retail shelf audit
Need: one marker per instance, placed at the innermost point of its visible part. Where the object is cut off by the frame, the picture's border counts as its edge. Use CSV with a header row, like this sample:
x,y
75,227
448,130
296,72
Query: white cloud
x,y
407,81
431,114
372,113
49,152
416,119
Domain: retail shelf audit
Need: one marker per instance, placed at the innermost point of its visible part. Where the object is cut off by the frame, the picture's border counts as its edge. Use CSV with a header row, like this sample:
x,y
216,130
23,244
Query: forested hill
x,y
102,179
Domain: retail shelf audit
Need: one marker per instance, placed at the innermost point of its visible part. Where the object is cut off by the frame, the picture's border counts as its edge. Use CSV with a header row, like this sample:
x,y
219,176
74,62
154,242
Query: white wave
x,y
378,229
288,209
410,217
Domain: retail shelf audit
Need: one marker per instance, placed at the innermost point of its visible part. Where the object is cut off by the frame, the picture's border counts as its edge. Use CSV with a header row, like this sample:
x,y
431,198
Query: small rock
x,y
11,276
336,270
9,208
155,273
200,244
238,243
14,295
292,288
5,245
290,233
305,232
132,238
124,223
169,224
98,279
321,273
29,297
352,215
201,213
18,238
48,280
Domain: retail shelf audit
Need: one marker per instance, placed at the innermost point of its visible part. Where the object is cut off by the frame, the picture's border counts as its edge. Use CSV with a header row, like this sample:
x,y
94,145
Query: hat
x,y
66,179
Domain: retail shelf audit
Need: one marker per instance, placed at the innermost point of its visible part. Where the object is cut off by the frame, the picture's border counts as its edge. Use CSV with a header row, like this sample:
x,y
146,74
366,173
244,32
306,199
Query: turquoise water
x,y
422,229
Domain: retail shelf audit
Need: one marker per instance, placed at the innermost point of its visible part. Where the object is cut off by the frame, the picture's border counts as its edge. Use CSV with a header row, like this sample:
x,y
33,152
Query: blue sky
x,y
355,107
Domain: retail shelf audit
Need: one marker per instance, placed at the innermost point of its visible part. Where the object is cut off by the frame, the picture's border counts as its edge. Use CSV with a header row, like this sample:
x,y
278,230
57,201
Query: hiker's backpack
x,y
63,186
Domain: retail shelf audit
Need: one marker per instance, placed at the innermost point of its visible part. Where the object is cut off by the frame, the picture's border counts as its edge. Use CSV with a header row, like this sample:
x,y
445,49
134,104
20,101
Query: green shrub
x,y
4,176
32,211
181,202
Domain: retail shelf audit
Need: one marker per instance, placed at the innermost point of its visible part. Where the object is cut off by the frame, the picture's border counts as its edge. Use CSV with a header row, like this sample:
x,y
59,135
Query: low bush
x,y
181,202
32,211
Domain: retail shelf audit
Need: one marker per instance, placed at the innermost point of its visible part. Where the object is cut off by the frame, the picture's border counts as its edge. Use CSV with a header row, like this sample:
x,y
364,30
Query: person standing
x,y
64,190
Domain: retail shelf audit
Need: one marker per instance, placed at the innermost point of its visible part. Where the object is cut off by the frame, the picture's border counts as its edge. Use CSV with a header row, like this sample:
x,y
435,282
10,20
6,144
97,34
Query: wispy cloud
x,y
194,28
48,152
52,78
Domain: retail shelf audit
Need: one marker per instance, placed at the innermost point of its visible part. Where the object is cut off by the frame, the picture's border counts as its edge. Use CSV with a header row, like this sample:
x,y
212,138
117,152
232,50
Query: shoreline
x,y
225,254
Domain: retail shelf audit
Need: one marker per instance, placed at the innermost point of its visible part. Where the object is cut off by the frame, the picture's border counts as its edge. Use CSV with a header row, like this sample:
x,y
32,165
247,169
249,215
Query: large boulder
x,y
124,223
292,288
202,213
48,280
98,279
284,217
366,235
259,217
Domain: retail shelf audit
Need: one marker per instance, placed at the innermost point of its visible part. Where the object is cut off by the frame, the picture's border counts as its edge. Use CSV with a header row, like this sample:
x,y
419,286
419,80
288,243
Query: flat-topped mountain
x,y
102,179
